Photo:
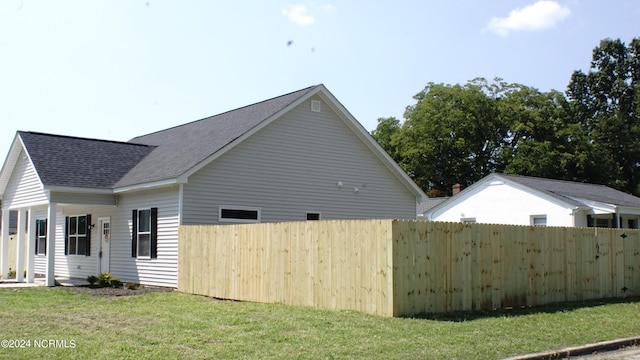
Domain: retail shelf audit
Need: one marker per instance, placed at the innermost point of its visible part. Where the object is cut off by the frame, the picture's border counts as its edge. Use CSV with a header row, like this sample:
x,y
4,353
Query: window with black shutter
x,y
144,237
78,235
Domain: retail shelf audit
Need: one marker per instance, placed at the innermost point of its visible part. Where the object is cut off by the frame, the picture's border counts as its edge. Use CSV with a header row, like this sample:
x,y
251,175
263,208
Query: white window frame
x,y
533,219
148,233
237,220
42,250
77,236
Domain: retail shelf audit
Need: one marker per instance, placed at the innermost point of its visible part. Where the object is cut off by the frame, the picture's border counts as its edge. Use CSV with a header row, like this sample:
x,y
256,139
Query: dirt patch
x,y
114,292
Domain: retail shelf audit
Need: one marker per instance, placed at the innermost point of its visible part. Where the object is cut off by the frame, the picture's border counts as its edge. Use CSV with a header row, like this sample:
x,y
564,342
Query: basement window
x,y
239,214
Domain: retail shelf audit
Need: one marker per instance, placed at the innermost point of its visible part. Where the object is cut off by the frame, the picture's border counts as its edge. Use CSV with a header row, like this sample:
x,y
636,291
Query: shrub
x,y
92,279
106,280
132,286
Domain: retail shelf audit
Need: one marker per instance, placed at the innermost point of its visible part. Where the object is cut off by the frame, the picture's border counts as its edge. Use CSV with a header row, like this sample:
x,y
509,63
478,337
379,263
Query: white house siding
x,y
24,187
293,166
78,266
162,271
501,203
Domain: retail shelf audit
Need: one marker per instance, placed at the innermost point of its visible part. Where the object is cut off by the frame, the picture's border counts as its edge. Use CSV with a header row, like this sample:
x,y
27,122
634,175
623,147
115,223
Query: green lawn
x,y
177,326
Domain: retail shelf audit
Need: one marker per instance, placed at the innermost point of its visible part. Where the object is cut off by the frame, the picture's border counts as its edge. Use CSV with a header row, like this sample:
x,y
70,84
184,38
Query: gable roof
x,y
572,194
169,156
180,148
65,161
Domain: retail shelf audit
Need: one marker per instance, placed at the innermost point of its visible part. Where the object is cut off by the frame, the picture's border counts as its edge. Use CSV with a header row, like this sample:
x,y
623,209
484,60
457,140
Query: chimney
x,y
456,188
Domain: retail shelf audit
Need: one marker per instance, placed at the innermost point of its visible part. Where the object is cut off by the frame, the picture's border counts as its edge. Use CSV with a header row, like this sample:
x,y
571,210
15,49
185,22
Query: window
x,y
78,235
539,220
633,224
604,223
468,220
41,236
239,214
313,216
144,237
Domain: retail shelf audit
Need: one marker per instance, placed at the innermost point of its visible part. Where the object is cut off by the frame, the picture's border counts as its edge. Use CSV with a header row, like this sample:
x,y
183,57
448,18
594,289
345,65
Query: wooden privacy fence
x,y
404,268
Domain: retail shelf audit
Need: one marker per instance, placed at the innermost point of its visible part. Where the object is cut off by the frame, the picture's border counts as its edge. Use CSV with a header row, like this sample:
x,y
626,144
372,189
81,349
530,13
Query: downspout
x,y
573,215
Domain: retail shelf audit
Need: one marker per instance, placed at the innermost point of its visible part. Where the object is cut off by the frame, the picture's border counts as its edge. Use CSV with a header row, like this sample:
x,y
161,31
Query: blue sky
x,y
115,69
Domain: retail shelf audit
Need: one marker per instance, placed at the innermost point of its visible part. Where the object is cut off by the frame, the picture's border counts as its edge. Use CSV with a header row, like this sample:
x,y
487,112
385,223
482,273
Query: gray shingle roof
x,y
430,203
569,191
79,162
180,148
91,163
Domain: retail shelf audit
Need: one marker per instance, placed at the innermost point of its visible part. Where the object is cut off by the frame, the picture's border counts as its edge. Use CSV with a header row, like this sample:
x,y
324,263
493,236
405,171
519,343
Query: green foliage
x,y
461,133
605,103
132,286
92,279
386,134
106,280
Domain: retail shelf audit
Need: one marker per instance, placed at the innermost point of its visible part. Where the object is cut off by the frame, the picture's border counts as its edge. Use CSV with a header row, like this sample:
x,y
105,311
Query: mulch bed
x,y
115,292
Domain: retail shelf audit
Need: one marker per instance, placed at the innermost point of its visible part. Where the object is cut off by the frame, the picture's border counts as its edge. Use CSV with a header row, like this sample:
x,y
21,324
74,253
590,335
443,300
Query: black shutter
x,y
154,233
88,240
134,233
614,220
37,234
45,237
66,236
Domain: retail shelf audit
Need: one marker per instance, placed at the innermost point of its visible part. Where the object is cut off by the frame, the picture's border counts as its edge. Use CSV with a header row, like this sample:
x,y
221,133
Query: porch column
x,y
4,259
51,244
22,216
31,247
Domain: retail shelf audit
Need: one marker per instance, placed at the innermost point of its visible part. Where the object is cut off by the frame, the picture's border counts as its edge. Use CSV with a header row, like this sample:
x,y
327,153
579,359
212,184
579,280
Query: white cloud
x,y
298,14
541,15
329,8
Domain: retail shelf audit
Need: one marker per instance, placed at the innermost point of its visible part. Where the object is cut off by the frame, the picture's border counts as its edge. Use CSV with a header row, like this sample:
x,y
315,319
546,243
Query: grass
x,y
178,326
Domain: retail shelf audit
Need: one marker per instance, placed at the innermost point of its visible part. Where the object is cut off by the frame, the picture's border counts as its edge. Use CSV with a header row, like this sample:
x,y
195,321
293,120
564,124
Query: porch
x,y
44,228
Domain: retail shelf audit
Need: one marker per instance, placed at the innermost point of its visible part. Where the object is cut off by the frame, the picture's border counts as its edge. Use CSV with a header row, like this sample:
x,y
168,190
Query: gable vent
x,y
315,105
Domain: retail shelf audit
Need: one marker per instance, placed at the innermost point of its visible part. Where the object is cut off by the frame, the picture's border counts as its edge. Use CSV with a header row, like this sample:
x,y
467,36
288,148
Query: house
x,y
13,222
523,200
96,205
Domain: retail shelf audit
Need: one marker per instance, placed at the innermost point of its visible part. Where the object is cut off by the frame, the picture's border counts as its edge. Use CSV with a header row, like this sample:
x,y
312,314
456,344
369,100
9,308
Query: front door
x,y
105,240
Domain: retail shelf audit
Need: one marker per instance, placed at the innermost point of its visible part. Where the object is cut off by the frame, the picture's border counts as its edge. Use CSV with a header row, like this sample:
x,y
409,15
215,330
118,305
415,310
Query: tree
x,y
604,104
386,134
461,133
540,140
452,134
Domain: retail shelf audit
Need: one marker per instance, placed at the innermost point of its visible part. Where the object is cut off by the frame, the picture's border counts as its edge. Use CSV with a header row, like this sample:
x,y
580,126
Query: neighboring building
x,y
97,205
523,200
13,222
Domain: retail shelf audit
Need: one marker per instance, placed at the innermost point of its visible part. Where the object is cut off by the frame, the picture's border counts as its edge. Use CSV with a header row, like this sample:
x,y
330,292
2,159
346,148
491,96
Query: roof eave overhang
x,y
77,190
150,185
10,162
